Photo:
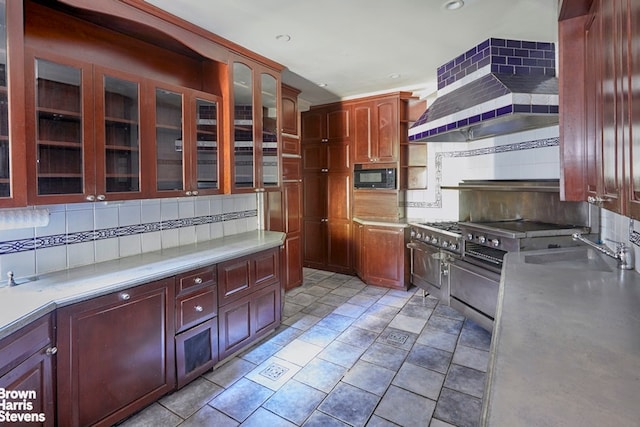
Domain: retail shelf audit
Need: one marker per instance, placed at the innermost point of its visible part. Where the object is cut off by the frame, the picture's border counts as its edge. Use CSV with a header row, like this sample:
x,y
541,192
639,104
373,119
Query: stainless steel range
x,y
434,245
475,277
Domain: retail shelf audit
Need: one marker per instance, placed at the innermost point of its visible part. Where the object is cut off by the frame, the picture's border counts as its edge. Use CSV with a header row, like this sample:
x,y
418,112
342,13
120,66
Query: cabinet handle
x,y
51,351
199,308
91,198
125,296
194,192
197,280
101,197
597,200
188,193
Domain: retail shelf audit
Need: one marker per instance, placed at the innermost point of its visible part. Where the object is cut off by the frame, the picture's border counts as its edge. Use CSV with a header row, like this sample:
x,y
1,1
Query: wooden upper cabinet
x,y
330,123
290,112
598,117
376,130
13,174
186,142
255,155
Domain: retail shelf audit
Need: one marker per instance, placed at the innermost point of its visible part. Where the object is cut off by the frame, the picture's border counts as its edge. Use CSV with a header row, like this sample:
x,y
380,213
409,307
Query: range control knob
x,y
418,236
434,240
413,233
469,236
445,244
453,246
495,243
482,239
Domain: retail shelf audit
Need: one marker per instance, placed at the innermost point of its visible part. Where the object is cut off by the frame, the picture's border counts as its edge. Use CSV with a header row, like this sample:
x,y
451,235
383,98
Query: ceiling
x,y
362,47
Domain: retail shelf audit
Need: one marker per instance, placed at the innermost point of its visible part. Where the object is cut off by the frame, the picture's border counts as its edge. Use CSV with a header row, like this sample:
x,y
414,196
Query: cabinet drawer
x,y
196,279
18,346
196,308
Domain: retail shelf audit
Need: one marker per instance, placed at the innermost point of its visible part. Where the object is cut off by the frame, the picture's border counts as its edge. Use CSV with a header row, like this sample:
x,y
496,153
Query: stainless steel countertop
x,y
20,305
566,342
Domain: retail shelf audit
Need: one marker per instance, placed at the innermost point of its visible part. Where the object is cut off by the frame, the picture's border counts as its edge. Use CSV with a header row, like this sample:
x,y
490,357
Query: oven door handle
x,y
412,245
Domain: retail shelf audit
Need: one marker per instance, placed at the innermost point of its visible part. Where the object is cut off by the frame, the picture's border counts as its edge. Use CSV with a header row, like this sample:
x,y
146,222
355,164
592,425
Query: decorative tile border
x,y
518,146
42,242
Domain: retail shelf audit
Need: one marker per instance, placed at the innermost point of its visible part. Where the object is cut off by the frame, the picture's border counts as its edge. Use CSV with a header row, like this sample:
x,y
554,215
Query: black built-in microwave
x,y
374,178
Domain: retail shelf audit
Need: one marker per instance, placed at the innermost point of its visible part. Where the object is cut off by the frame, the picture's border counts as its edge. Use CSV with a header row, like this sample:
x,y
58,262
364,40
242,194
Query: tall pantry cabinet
x,y
327,192
284,208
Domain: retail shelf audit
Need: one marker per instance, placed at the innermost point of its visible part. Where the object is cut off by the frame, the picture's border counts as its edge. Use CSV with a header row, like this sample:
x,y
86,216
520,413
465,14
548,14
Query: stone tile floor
x,y
346,354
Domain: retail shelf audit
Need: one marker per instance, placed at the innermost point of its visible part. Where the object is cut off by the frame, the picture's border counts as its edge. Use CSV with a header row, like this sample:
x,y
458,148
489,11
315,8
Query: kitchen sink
x,y
575,258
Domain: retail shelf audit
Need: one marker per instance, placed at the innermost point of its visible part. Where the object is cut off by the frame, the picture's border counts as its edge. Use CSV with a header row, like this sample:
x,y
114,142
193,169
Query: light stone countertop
x,y
566,342
20,305
400,223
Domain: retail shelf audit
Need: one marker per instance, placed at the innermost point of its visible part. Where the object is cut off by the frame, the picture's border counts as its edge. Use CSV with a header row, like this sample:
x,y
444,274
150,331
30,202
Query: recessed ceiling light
x,y
322,84
394,76
453,4
283,38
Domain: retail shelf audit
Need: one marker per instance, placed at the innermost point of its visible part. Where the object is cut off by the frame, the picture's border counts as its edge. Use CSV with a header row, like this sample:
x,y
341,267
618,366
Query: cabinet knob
x,y
199,308
101,197
188,193
197,280
91,198
194,192
325,170
597,200
125,296
51,351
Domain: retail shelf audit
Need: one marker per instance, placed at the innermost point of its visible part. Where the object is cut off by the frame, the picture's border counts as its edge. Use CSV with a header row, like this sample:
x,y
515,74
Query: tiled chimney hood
x,y
497,88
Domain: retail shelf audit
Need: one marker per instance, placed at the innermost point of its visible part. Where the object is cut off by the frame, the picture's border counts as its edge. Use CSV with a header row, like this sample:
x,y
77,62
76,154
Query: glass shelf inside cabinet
x,y
59,128
122,135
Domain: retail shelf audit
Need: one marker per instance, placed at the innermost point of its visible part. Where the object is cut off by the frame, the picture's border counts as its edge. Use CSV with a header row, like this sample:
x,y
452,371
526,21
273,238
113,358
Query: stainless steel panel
x,y
475,286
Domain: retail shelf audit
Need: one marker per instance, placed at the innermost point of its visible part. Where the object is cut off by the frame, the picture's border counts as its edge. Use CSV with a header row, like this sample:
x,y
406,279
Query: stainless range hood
x,y
497,88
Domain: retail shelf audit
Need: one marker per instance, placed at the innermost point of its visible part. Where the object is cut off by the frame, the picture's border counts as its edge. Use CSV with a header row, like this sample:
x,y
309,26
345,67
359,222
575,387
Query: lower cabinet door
x,y
116,354
244,321
196,351
34,377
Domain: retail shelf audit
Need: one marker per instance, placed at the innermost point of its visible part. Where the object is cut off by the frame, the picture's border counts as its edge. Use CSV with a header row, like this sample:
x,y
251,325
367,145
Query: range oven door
x,y
427,271
474,292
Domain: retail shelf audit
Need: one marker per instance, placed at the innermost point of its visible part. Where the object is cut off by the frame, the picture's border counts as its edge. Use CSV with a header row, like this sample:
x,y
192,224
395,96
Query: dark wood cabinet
x,y
290,119
598,114
249,295
27,365
13,173
254,158
116,354
186,151
196,323
376,135
327,188
382,257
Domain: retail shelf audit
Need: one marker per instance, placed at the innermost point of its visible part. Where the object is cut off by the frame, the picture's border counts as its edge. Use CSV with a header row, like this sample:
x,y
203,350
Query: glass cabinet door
x,y
5,172
59,129
270,144
207,145
121,164
169,141
243,144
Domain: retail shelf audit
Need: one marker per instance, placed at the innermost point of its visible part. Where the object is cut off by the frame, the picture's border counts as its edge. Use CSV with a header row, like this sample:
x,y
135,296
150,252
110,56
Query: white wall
x,y
86,233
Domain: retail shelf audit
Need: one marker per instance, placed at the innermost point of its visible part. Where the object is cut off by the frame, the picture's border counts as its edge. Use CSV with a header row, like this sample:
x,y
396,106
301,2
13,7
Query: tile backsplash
x,y
86,233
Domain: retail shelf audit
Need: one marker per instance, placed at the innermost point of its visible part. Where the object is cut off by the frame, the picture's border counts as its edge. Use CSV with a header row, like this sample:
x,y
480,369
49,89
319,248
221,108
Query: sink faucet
x,y
623,253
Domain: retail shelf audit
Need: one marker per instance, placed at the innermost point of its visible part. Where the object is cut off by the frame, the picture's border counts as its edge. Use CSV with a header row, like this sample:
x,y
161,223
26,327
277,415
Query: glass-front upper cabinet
x,y
187,137
270,134
118,157
13,175
256,145
61,128
243,129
